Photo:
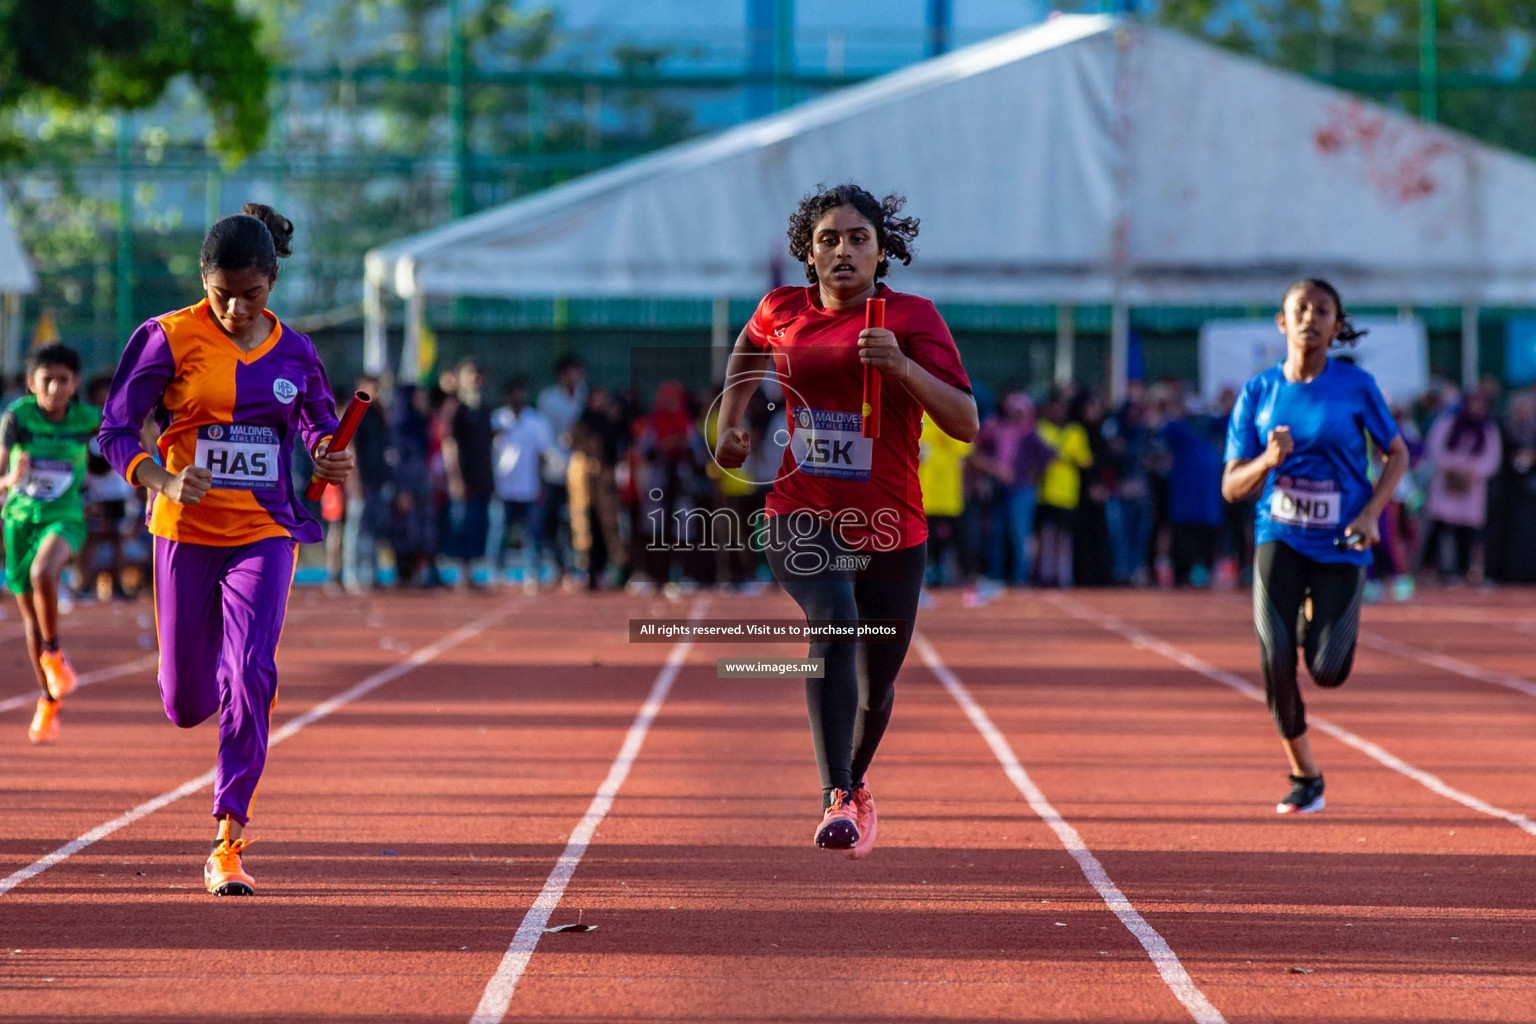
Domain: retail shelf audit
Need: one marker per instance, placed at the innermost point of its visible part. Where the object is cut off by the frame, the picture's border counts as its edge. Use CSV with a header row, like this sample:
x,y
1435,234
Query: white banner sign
x,y
1395,352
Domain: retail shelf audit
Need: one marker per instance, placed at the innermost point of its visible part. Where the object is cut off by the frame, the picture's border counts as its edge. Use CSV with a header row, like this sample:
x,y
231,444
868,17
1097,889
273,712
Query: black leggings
x,y
1282,579
850,705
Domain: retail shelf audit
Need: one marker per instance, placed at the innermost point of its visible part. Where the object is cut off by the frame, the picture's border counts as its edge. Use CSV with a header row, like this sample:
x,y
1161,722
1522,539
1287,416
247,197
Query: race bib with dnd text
x,y
1307,503
240,456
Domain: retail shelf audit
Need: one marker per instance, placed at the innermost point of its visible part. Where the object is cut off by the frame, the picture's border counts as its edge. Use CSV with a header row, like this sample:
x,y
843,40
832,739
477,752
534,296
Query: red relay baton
x,y
343,437
874,316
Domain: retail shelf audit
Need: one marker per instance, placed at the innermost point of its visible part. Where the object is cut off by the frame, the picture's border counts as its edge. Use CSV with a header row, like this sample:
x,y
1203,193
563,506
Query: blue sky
x,y
879,32
851,35
845,15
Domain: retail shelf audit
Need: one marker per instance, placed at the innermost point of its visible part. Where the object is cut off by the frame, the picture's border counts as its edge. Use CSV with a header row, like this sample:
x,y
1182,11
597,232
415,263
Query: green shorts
x,y
22,541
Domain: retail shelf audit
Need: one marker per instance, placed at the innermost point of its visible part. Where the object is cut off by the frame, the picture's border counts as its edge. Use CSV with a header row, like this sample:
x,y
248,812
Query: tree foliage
x,y
360,148
1326,36
1373,46
93,55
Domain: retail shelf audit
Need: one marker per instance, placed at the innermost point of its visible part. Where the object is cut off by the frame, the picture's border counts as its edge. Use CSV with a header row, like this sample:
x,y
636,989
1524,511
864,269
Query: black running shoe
x,y
1305,797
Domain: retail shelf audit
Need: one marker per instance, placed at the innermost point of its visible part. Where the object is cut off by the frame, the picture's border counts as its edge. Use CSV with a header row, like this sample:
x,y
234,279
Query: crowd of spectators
x,y
1074,494
582,486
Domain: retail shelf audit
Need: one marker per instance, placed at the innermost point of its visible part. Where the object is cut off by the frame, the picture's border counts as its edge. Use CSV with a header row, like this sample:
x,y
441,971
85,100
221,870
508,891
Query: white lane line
x,y
1373,751
126,668
1453,665
1444,662
503,984
373,682
99,675
1163,957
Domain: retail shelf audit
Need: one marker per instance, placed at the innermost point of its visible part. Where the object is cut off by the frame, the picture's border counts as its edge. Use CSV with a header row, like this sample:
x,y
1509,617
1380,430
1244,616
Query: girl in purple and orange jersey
x,y
231,389
846,535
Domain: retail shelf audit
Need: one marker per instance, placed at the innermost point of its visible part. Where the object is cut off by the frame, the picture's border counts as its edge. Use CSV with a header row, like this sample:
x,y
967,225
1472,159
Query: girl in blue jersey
x,y
1297,438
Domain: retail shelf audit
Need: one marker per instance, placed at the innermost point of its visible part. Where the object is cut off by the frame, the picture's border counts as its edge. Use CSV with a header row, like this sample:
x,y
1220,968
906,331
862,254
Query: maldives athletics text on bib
x,y
829,443
241,456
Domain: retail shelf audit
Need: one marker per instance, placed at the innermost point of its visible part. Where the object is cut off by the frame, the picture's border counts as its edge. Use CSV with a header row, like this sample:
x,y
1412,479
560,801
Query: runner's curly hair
x,y
1348,332
892,233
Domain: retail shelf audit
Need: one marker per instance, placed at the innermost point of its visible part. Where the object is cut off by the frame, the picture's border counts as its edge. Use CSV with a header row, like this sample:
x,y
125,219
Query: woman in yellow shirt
x,y
940,471
1060,489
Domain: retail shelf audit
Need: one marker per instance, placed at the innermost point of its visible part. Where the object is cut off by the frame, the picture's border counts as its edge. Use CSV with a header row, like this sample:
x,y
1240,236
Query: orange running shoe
x,y
45,722
61,677
224,875
864,820
837,830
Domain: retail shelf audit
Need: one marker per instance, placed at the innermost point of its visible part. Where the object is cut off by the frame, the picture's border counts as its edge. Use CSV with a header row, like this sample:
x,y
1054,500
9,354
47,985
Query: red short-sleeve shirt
x,y
867,486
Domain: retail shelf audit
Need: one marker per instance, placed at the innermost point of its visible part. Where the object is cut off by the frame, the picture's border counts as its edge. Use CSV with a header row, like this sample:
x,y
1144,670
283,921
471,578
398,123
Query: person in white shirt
x,y
561,404
107,497
522,441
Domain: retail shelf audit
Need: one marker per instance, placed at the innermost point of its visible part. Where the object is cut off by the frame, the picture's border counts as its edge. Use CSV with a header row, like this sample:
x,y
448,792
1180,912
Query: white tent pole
x,y
720,322
720,336
1066,343
1469,345
10,335
1471,305
1120,242
1119,351
410,354
375,342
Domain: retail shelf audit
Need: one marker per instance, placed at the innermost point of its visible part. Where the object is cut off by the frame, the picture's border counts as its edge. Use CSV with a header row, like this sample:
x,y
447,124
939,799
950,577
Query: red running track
x,y
403,837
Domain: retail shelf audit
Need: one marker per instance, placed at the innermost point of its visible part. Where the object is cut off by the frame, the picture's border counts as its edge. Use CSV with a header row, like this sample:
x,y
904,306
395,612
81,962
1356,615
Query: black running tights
x,y
1282,580
850,705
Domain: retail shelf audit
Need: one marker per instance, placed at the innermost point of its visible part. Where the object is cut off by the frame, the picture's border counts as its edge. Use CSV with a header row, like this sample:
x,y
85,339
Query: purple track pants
x,y
220,614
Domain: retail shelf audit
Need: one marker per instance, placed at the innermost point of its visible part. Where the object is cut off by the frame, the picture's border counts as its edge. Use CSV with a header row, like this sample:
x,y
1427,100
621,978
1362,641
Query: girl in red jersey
x,y
846,535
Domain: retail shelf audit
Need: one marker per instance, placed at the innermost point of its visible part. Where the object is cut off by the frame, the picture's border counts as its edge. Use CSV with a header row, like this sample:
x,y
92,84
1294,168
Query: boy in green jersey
x,y
43,441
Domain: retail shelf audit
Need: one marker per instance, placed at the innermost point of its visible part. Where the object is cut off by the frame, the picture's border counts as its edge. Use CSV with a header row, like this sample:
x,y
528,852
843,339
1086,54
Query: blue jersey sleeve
x,y
1242,433
1375,417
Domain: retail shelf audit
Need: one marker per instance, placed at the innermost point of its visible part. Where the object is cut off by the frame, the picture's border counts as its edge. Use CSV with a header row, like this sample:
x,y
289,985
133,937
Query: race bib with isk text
x,y
47,479
240,456
827,443
1308,503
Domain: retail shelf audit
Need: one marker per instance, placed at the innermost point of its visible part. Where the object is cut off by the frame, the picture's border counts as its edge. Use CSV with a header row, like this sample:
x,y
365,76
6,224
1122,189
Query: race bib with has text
x,y
240,456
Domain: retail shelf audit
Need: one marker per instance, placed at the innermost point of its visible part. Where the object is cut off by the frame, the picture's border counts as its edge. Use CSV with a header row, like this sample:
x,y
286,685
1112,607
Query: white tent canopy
x,y
16,279
1090,159
16,276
